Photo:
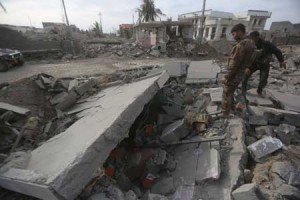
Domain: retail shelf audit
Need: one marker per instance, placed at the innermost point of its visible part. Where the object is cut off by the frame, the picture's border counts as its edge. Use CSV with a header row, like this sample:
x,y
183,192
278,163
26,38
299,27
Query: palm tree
x,y
1,5
97,29
148,11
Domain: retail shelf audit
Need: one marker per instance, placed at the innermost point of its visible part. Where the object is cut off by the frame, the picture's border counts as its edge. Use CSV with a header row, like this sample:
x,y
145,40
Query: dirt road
x,y
78,67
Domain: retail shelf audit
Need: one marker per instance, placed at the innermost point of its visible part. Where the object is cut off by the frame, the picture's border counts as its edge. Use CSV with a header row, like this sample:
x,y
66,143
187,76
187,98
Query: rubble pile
x,y
273,136
180,49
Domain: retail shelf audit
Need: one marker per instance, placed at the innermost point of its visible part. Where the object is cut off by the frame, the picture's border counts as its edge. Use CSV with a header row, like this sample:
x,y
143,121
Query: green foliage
x,y
148,11
97,29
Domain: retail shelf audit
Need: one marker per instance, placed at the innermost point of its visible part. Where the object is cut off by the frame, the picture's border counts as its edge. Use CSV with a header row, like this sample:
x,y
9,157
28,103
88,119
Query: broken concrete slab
x,y
186,170
82,89
67,162
208,163
73,84
202,72
289,117
255,99
215,94
246,192
232,167
67,101
176,69
287,101
264,147
283,169
15,109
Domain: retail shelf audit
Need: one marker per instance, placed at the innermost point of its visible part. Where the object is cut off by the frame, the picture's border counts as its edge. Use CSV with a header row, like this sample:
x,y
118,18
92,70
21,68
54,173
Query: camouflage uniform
x,y
242,56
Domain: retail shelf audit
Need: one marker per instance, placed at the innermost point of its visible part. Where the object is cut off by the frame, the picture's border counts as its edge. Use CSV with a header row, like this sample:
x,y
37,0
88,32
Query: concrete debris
x,y
215,94
257,120
287,101
15,109
174,132
163,186
255,99
150,196
202,72
50,160
184,192
98,196
115,193
283,169
264,147
285,133
130,195
246,192
288,192
294,179
263,131
176,69
196,121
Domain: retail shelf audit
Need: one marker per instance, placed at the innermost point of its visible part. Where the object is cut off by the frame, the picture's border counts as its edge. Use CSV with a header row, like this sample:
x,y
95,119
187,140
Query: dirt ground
x,y
73,68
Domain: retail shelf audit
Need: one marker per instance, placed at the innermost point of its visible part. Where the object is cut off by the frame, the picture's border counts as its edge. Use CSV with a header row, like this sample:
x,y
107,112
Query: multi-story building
x,y
218,24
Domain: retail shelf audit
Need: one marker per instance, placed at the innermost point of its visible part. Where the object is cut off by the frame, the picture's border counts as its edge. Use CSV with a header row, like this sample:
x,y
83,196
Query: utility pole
x,y
202,22
68,28
100,25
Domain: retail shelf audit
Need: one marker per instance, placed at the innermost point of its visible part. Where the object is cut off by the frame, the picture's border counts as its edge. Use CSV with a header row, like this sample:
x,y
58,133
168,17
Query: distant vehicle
x,y
10,58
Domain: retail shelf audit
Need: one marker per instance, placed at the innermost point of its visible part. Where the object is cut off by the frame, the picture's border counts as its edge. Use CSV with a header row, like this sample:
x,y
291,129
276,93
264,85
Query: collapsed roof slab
x,y
61,167
202,72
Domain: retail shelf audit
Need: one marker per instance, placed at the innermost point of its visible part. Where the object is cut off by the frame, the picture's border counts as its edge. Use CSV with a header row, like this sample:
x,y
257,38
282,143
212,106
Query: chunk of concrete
x,y
215,94
184,192
283,169
208,163
264,130
150,196
255,99
174,132
163,186
294,179
73,84
58,98
202,72
98,196
287,101
285,133
246,192
130,195
82,89
15,109
176,69
288,192
264,147
67,162
68,101
257,120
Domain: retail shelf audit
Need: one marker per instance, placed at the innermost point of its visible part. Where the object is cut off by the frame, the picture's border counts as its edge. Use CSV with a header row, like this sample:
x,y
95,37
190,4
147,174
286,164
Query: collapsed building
x,y
152,133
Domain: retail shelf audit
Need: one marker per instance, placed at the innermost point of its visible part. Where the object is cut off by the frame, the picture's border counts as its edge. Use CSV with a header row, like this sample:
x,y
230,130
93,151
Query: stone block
x,y
82,89
58,98
246,192
208,163
285,133
288,192
294,179
263,131
257,120
264,147
163,186
67,101
174,132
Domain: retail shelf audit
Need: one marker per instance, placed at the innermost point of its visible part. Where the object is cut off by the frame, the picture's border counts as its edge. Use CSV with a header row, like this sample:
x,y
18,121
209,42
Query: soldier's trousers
x,y
263,78
229,87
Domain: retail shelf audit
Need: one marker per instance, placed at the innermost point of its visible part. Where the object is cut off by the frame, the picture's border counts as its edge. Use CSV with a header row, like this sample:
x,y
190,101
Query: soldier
x,y
240,58
262,62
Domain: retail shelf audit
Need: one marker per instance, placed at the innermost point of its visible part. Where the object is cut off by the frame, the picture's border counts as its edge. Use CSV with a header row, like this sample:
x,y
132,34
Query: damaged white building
x,y
217,24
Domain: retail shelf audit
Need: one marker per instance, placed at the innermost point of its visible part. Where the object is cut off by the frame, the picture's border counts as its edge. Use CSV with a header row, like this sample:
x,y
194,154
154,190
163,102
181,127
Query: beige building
x,y
218,24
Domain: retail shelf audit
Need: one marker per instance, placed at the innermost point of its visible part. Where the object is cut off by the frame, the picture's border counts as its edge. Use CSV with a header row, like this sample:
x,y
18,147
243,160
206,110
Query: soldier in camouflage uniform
x,y
262,62
241,57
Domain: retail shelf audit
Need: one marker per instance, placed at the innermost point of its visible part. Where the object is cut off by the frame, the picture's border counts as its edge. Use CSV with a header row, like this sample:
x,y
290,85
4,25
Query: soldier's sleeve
x,y
237,59
274,50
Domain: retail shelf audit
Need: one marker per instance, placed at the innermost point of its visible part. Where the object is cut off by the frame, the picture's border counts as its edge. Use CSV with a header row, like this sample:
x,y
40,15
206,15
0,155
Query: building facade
x,y
218,24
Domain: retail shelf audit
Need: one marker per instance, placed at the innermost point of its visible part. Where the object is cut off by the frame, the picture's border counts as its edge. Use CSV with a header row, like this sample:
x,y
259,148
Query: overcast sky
x,y
83,13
